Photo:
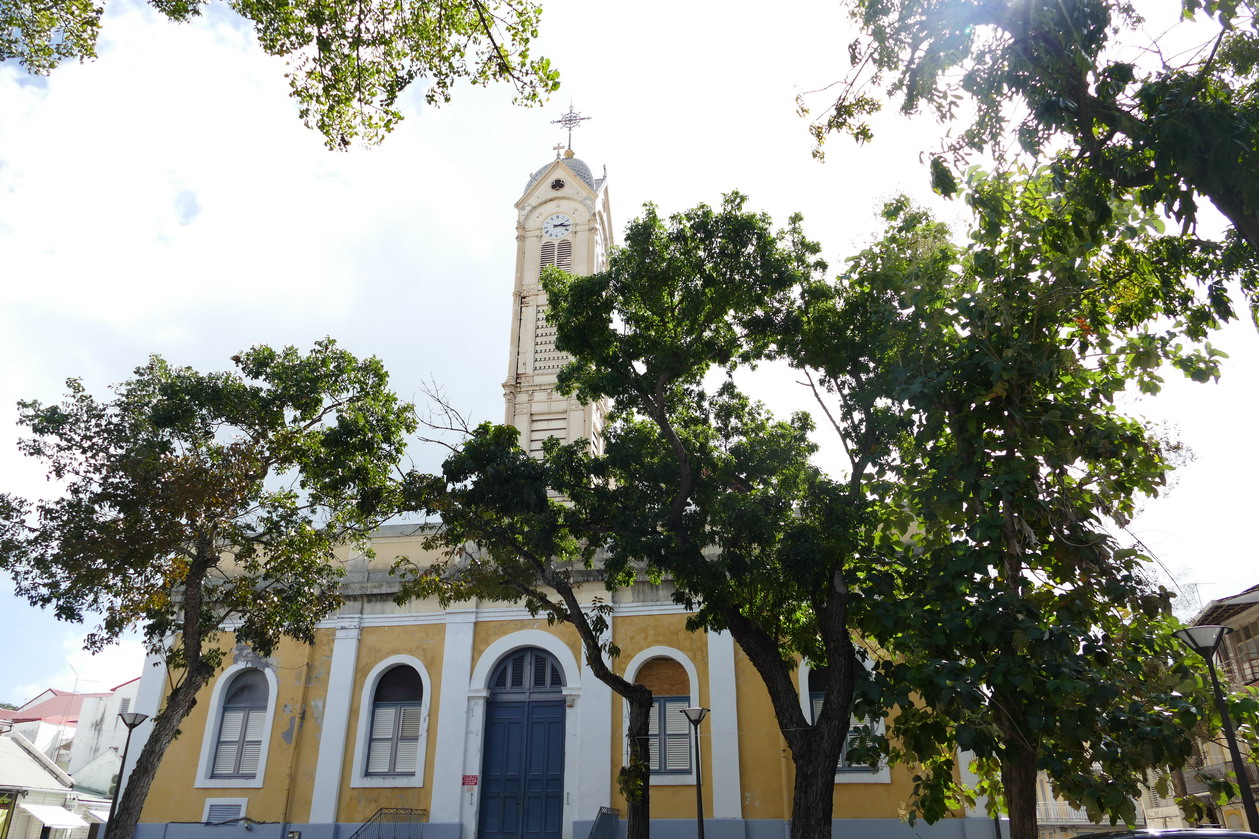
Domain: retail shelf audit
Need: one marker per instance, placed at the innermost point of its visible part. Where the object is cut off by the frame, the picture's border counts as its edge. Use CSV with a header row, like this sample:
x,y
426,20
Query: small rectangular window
x,y
223,810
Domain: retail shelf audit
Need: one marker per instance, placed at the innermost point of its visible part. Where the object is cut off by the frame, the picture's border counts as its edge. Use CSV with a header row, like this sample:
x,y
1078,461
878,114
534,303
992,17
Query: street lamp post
x,y
696,716
130,719
1205,640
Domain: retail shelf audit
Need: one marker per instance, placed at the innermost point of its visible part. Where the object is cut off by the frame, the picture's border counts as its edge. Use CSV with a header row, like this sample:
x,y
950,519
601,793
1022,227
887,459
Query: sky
x,y
166,199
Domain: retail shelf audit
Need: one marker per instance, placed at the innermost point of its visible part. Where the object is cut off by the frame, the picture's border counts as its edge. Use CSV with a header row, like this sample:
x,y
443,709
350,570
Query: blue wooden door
x,y
522,774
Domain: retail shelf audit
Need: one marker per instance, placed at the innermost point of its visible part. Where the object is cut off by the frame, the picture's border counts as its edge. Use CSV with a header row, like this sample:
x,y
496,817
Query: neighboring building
x,y
96,750
483,716
1237,662
37,798
48,722
79,732
1056,819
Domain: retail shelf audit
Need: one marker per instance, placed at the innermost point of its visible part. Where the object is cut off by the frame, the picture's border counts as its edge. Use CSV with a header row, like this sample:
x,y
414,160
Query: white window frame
x,y
663,779
880,775
209,742
243,803
358,776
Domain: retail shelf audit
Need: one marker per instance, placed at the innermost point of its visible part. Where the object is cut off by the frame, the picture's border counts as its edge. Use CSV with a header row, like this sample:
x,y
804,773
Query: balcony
x,y
1060,812
1195,786
1242,670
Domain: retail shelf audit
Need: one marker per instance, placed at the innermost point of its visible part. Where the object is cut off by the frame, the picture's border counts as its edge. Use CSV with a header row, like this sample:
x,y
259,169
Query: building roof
x,y
575,165
1226,608
21,769
61,709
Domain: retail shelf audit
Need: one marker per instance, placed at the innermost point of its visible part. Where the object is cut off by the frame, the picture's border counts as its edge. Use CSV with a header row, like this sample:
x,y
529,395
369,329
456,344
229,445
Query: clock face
x,y
557,226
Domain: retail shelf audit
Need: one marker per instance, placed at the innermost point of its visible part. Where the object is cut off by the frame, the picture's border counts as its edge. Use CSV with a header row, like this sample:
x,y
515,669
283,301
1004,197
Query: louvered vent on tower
x,y
558,254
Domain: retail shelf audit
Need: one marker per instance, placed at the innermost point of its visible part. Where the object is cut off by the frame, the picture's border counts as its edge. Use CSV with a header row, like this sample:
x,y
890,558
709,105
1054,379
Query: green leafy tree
x,y
509,538
702,484
1170,124
348,61
193,501
1028,635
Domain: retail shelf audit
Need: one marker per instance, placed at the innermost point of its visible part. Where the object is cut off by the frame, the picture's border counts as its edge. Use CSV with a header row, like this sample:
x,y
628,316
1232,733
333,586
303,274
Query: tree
x,y
1172,129
702,484
349,61
1051,651
508,538
197,500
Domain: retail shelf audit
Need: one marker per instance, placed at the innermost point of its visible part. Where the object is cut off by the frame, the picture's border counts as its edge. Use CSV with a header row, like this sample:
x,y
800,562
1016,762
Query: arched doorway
x,y
522,771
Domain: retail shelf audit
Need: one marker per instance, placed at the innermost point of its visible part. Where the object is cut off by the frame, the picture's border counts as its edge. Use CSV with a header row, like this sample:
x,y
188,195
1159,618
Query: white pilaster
x,y
594,715
724,727
452,718
336,720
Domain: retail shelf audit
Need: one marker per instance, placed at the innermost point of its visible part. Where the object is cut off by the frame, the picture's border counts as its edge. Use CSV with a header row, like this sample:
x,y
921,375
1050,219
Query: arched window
x,y
669,746
525,673
242,726
397,716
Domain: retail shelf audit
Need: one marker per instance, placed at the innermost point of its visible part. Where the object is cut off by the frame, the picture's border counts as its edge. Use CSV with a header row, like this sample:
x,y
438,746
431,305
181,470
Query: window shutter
x,y
228,747
679,757
408,751
410,722
249,754
675,721
378,757
219,813
564,256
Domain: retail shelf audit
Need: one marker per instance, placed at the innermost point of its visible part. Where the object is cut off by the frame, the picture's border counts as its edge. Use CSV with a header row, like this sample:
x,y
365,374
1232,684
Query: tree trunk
x,y
1018,777
813,798
815,745
165,727
635,777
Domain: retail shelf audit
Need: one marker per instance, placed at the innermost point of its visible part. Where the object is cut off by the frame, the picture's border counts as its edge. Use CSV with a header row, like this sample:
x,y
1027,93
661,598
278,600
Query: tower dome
x,y
575,165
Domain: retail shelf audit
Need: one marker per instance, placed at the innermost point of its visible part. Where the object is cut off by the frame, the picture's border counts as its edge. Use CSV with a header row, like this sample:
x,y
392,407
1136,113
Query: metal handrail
x,y
393,823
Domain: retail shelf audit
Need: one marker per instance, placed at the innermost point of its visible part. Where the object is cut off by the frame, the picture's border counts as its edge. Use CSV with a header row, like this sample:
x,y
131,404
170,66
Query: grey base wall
x,y
273,830
968,828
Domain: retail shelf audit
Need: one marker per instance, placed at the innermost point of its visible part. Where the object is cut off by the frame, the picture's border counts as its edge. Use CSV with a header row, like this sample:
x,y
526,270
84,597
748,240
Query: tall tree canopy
x,y
1017,627
509,538
1170,123
194,502
348,61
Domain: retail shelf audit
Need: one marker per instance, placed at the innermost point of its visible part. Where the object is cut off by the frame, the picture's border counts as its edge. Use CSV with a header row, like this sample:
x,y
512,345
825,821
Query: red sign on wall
x,y
469,780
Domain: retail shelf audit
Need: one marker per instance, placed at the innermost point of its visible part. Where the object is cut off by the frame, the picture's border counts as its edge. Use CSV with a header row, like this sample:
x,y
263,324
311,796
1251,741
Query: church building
x,y
482,721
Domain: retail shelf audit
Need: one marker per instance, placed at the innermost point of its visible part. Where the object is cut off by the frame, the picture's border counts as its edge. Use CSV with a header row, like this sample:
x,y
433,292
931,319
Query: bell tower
x,y
563,220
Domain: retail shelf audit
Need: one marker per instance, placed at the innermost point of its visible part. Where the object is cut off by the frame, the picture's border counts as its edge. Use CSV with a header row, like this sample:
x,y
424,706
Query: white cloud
x,y
82,672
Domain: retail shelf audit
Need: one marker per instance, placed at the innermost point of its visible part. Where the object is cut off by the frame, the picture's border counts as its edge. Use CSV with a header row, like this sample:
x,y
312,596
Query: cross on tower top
x,y
570,120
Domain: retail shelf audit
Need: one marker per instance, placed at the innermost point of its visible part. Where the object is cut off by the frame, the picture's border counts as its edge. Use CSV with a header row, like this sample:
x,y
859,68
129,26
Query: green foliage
x,y
240,484
1036,74
348,61
1015,626
197,501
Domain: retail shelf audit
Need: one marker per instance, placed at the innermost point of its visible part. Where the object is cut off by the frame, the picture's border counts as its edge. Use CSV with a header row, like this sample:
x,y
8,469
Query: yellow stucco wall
x,y
633,634
376,643
301,682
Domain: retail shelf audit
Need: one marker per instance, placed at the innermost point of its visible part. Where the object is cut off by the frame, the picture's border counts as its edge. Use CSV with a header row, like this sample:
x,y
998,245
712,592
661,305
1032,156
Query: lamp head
x,y
131,719
695,715
1203,640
